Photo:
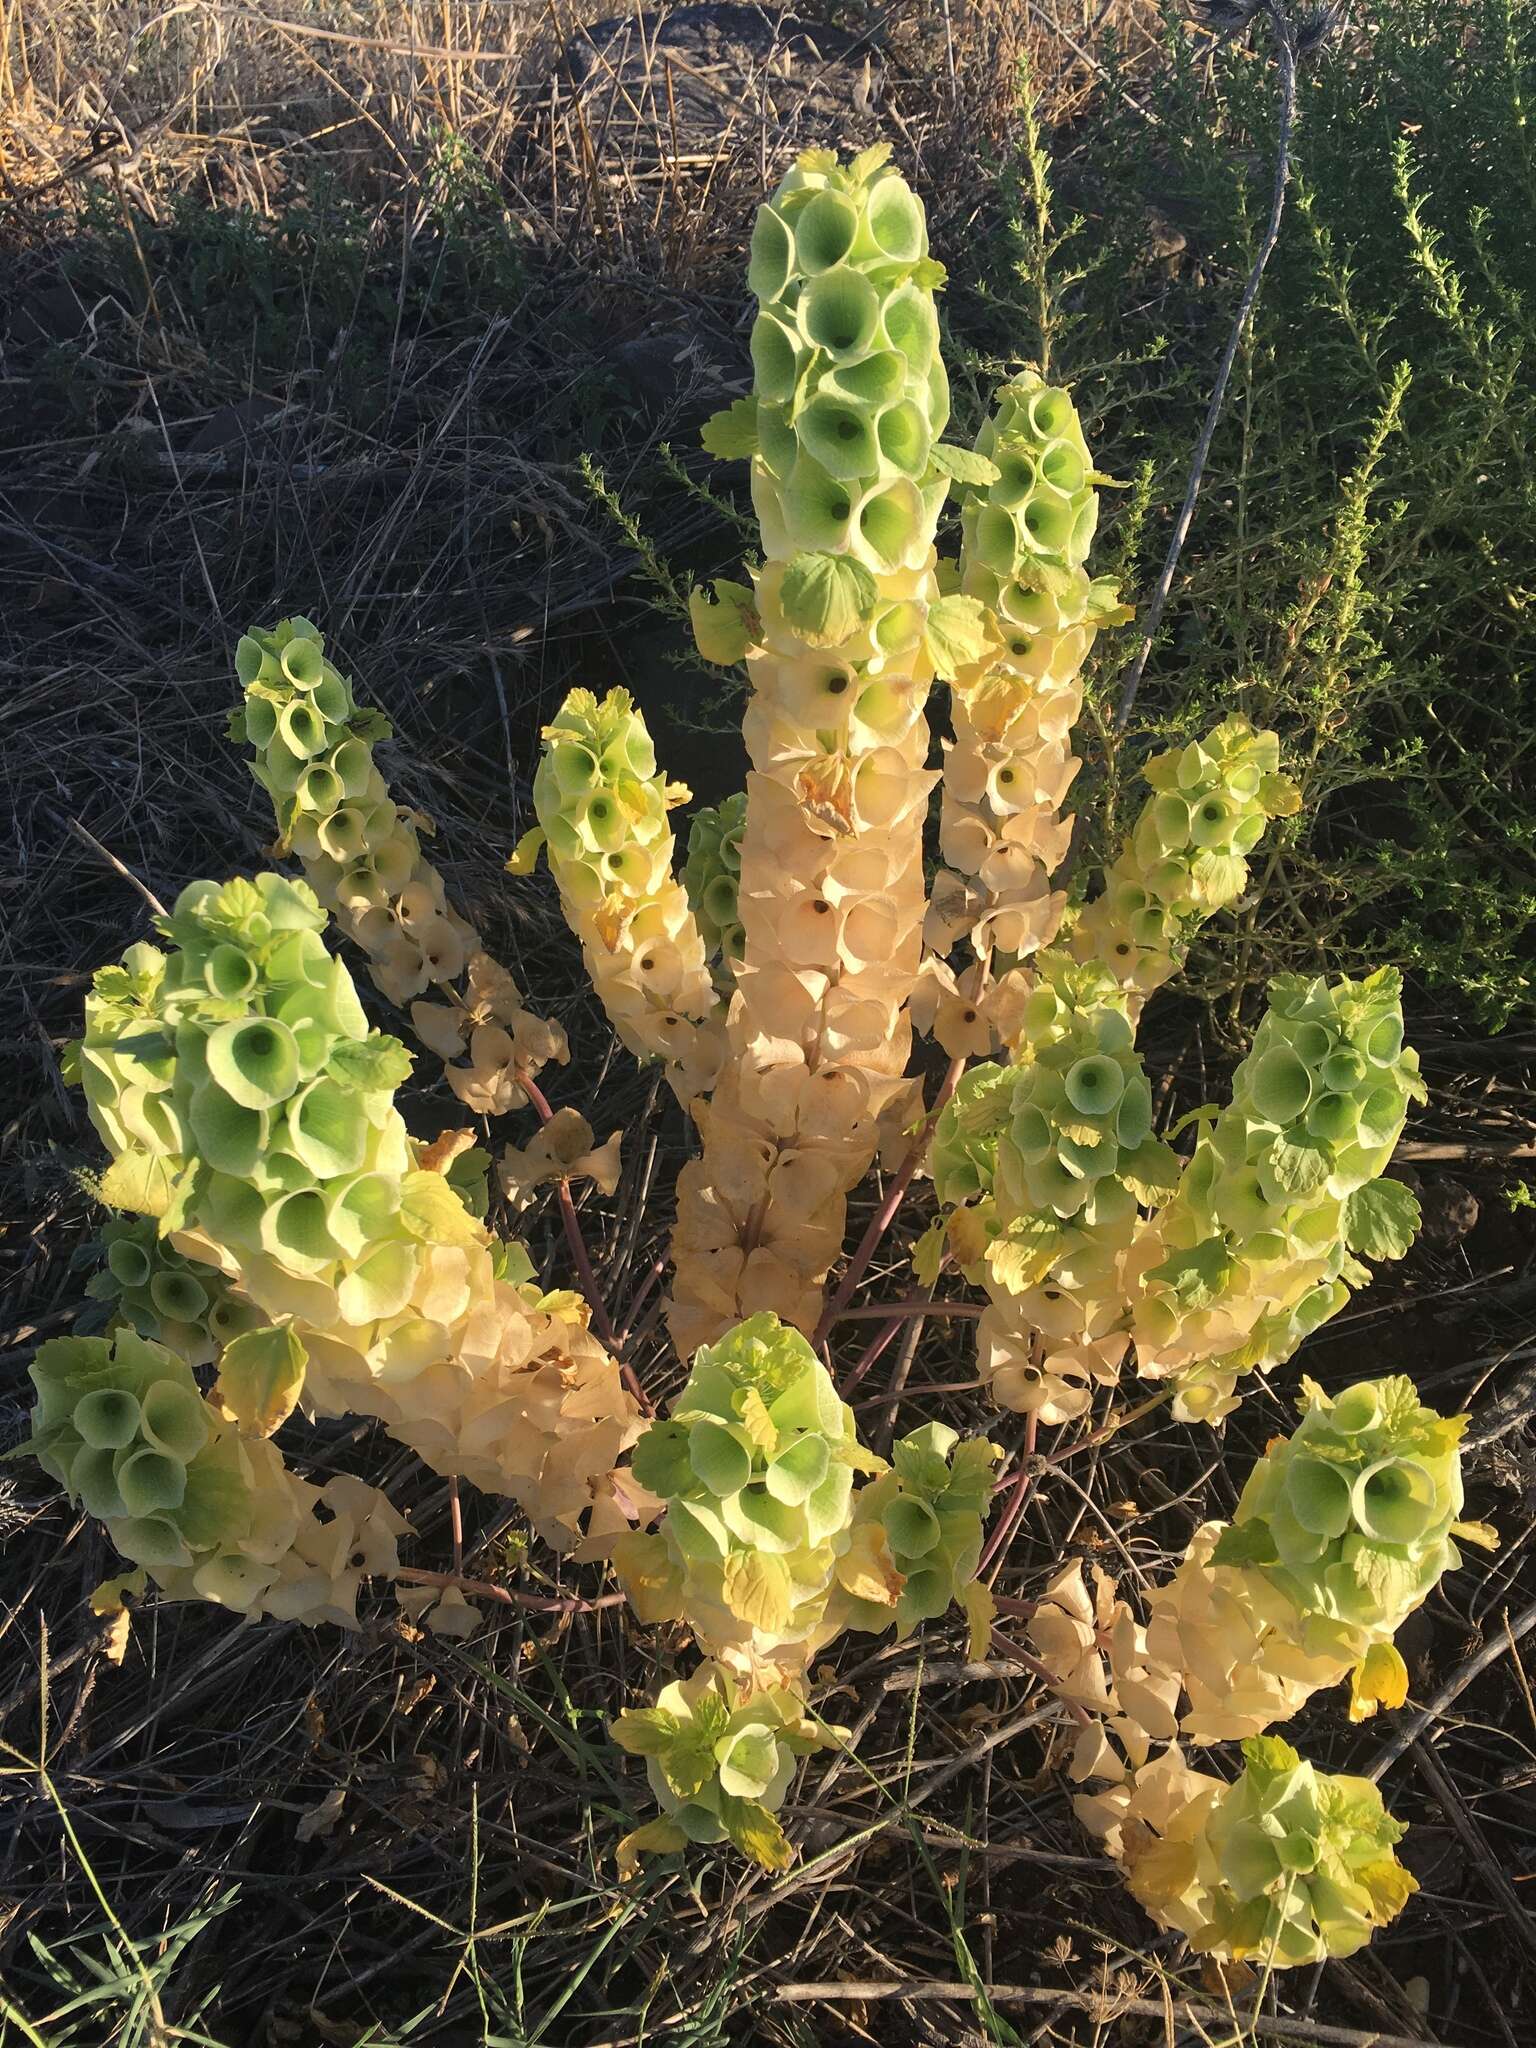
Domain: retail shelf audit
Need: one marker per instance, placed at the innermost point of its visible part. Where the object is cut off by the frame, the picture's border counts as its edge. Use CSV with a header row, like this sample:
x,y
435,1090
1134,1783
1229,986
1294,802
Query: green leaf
x,y
1280,796
646,1731
755,1832
732,434
139,1182
963,465
656,1838
1381,1219
1198,1276
466,1173
1022,1257
261,1375
524,857
1218,877
1151,1171
1300,1165
374,1064
928,1253
867,162
433,1214
1385,1574
723,629
758,1589
1268,1757
956,634
1245,1543
826,598
516,1264
371,725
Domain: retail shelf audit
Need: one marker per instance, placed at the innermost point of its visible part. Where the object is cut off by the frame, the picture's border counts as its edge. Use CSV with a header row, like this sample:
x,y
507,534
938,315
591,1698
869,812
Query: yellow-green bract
x,y
756,1464
1289,1865
719,1754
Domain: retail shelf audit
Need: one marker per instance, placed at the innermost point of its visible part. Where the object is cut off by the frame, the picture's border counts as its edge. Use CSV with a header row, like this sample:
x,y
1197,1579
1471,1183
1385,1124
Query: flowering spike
x,y
1187,856
362,856
207,1511
237,1076
1027,520
603,807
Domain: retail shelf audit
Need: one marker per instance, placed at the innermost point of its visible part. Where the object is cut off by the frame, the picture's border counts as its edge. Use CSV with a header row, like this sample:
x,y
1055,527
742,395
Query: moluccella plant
x,y
286,1236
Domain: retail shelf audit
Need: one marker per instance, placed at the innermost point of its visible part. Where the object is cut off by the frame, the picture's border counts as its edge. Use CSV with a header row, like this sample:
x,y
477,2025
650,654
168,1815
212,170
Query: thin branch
x,y
1285,42
509,1596
885,1215
602,1322
1104,2005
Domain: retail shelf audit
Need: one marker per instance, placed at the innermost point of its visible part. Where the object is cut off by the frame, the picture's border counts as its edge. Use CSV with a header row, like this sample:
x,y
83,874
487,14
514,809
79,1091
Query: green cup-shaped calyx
x,y
720,1752
1354,1516
1300,1864
121,1424
756,1463
712,874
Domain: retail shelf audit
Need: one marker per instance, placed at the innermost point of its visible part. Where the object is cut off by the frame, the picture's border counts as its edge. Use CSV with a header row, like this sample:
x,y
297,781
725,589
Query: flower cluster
x,y
918,1528
156,1290
1351,1523
840,630
756,1465
767,1550
719,1753
210,1512
1343,1529
712,876
1255,1249
1026,536
602,808
1045,1166
252,1111
1187,857
1289,1865
1041,1165
362,855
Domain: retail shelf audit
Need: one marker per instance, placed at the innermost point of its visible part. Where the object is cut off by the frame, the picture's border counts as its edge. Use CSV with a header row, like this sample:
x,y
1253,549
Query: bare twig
x,y
1286,46
509,1596
1424,1717
1103,2004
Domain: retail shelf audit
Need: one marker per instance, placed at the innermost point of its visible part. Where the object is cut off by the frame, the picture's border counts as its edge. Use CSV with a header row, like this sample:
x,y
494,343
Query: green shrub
x,y
1359,564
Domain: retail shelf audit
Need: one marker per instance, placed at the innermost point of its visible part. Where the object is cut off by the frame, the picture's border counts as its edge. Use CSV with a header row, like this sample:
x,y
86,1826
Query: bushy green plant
x,y
1354,578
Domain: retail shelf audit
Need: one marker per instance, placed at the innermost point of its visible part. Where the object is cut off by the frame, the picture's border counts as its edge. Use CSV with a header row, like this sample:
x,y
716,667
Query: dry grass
x,y
400,460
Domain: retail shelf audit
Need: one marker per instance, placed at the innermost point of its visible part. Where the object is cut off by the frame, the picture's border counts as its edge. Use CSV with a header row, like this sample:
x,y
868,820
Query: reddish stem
x,y
1042,1672
914,1305
601,1321
885,1215
1013,1509
873,1350
919,1387
641,1296
483,1590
